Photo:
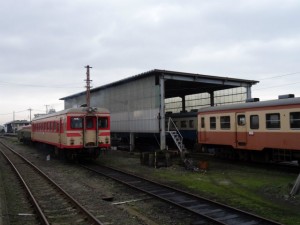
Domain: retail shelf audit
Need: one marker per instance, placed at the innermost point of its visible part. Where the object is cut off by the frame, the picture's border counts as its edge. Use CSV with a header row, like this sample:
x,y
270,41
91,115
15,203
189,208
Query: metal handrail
x,y
171,121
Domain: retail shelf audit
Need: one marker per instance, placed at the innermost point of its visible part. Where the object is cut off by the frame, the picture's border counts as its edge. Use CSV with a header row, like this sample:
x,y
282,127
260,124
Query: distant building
x,y
13,126
2,129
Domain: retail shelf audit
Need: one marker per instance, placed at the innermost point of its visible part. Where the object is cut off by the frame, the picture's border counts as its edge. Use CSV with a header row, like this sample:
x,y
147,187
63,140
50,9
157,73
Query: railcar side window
x,y
241,120
254,122
295,120
273,120
212,122
76,123
191,123
225,122
102,122
183,124
202,122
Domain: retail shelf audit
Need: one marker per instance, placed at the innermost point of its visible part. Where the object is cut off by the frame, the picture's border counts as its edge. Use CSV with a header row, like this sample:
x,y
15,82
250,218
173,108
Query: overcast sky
x,y
45,44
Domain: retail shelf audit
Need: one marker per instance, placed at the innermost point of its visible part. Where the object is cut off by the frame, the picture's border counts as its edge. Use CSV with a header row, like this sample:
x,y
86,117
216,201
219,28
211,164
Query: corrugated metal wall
x,y
134,106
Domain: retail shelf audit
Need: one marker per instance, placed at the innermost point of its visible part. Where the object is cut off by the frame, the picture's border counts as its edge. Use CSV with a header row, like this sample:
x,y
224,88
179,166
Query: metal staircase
x,y
177,137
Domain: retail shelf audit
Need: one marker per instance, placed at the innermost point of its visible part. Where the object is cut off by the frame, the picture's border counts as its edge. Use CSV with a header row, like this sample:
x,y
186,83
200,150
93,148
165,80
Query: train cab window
x,y
273,120
183,124
202,122
102,122
295,120
241,119
191,123
225,122
213,123
254,122
76,123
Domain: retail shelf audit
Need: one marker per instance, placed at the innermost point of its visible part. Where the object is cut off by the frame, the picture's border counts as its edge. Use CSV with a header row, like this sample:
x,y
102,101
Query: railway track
x,y
205,208
52,204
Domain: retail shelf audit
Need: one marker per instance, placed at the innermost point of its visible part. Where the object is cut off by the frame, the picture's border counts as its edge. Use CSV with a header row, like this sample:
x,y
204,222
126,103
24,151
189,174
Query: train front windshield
x,y
102,122
76,122
90,122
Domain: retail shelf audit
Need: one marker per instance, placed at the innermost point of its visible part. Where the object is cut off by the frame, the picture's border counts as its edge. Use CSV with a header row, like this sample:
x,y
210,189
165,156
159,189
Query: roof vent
x,y
252,100
286,96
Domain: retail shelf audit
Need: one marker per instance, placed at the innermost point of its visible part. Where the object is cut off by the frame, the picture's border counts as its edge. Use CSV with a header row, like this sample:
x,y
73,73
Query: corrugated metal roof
x,y
163,72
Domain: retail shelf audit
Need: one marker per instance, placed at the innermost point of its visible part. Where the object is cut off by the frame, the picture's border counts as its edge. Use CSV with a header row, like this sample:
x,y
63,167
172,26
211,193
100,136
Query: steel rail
x,y
211,210
41,215
90,217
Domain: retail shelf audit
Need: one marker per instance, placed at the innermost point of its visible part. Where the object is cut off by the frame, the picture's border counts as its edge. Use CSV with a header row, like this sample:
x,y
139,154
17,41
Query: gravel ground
x,y
110,201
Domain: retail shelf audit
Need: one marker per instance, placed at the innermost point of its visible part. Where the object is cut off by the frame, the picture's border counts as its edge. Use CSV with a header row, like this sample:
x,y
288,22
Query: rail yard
x,y
72,173
258,191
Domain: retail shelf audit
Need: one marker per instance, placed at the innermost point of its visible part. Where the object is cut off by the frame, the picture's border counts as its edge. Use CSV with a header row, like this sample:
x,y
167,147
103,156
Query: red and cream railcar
x,y
77,130
271,128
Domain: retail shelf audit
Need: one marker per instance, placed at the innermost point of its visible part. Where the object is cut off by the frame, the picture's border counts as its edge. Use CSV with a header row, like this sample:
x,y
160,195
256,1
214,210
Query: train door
x,y
90,132
202,129
60,131
241,130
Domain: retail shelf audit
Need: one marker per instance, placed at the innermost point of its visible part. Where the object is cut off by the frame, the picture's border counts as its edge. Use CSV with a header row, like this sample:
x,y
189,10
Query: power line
x,y
38,86
277,76
276,86
30,109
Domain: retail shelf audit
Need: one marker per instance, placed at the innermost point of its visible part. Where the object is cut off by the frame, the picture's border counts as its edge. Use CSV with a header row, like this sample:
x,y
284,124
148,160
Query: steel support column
x,y
162,113
132,142
249,94
212,98
183,103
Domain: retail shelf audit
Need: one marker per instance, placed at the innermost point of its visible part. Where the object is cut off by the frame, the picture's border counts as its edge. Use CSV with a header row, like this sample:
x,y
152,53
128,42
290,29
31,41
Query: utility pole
x,y
30,109
88,86
47,108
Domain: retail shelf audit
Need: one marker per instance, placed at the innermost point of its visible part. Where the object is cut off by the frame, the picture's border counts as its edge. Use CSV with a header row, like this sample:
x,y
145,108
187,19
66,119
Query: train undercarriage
x,y
266,155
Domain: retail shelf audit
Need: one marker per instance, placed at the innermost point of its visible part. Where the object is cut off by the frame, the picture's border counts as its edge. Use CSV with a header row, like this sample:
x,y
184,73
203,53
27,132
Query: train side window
x,y
202,122
254,122
225,122
102,122
191,123
183,124
295,120
241,120
273,120
213,123
76,123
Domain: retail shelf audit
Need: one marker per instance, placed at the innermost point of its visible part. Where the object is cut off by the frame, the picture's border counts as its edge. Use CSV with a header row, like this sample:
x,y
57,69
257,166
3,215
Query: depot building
x,y
138,104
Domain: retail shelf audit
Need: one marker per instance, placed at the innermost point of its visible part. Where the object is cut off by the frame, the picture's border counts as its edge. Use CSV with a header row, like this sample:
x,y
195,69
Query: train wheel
x,y
56,152
204,149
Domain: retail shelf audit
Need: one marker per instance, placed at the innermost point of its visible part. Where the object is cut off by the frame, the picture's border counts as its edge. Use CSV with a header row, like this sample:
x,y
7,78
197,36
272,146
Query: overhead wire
x,y
277,86
39,86
277,76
